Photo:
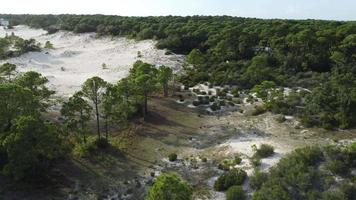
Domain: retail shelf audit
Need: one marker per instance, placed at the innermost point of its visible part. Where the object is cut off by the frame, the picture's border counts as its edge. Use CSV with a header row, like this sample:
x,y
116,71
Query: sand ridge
x,y
77,57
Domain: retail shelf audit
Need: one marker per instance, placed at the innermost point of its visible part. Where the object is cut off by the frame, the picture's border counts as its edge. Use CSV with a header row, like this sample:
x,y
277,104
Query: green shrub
x,y
280,118
235,193
337,167
258,110
230,178
169,187
215,107
235,92
196,103
227,164
48,45
85,150
348,189
102,143
222,103
264,151
255,161
257,179
237,101
172,157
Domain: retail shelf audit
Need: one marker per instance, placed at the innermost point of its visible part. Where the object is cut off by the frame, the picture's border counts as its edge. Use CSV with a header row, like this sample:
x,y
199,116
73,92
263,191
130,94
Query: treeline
x,y
30,143
244,52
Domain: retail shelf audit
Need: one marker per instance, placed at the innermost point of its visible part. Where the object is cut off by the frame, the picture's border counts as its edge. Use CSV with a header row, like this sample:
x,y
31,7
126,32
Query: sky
x,y
283,9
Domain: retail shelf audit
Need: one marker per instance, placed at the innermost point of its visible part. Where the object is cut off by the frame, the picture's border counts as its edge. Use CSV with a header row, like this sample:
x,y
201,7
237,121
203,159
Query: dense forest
x,y
317,55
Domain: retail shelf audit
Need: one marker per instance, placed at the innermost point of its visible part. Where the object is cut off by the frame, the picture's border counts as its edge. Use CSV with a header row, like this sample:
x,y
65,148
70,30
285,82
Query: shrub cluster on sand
x,y
169,186
230,178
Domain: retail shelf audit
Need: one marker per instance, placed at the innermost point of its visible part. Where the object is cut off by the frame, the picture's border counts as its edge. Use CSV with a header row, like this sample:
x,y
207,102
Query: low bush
x,y
255,161
237,101
337,167
235,193
215,107
264,151
222,103
280,118
169,186
257,179
196,103
85,150
258,110
172,157
230,178
235,92
226,165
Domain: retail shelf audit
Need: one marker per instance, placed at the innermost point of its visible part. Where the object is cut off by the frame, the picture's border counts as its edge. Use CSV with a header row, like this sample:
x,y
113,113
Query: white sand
x,y
82,55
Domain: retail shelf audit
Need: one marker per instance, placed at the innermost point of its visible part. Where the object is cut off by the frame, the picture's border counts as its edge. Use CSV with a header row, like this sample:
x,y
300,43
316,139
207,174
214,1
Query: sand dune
x,y
77,57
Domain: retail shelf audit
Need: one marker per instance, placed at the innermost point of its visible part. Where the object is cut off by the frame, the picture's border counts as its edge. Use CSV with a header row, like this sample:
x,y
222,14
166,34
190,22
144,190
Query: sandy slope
x,y
77,57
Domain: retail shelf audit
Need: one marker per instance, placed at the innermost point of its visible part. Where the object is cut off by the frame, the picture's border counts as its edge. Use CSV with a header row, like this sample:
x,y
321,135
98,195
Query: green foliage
x,y
7,70
333,104
303,175
228,164
258,110
94,89
264,151
230,178
165,74
262,89
48,45
16,101
169,186
172,157
77,113
235,193
280,118
37,83
87,149
12,46
144,79
257,179
30,146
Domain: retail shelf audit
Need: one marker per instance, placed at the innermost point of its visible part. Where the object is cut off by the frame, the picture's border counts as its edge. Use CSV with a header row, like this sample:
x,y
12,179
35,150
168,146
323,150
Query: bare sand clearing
x,y
77,57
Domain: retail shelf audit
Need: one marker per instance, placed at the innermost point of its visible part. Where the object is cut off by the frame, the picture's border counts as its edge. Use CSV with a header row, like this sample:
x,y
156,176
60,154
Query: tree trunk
x,y
97,120
106,128
82,124
146,109
165,90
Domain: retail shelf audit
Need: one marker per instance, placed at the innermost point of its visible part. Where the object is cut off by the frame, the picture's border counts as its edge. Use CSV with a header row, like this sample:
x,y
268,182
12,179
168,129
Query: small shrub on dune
x,y
280,118
172,157
196,103
257,179
265,151
230,178
215,107
235,193
169,187
258,110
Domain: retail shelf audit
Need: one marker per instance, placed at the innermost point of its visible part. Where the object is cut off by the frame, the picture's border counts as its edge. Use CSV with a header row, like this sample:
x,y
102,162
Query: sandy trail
x,y
77,57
